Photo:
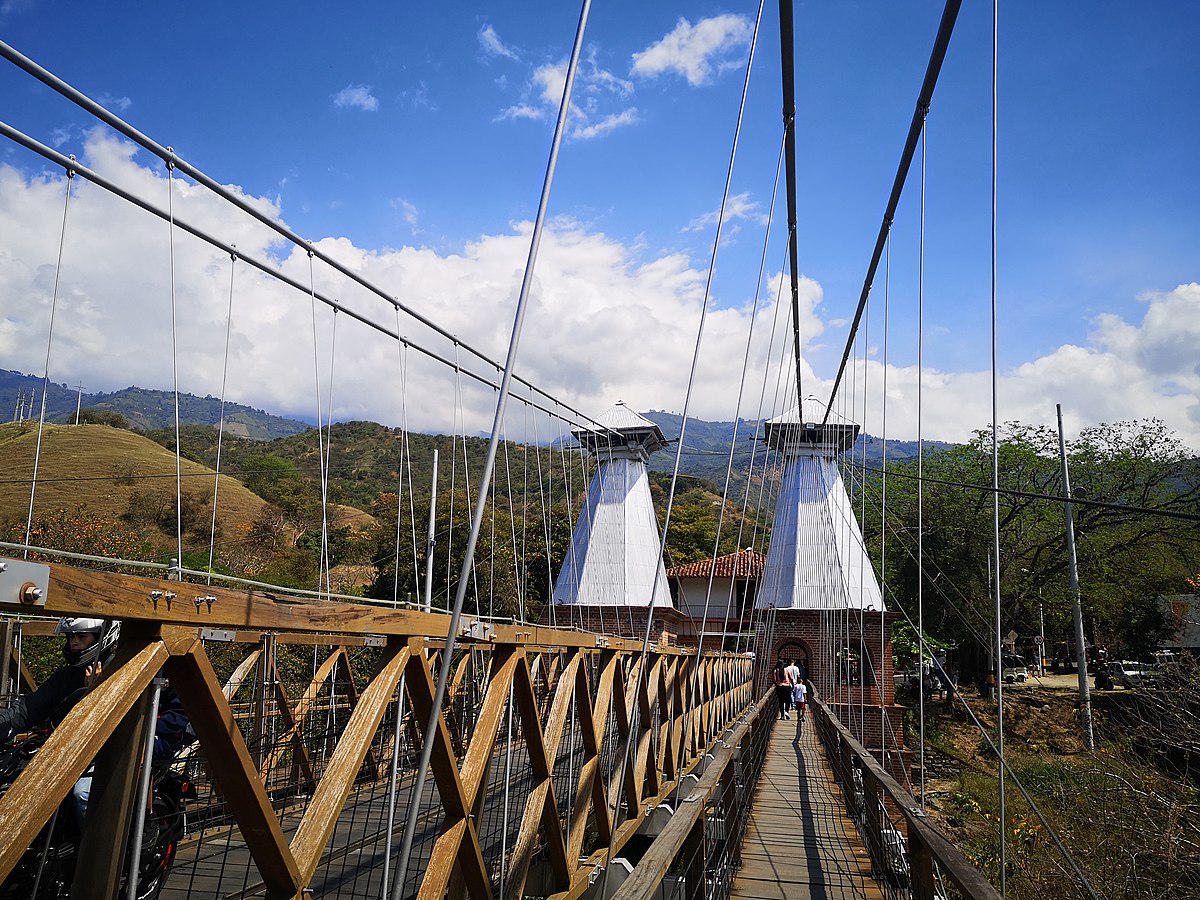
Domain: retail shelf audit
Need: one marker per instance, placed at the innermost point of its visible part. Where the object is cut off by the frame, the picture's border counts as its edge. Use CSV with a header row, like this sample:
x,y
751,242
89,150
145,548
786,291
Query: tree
x,y
1128,557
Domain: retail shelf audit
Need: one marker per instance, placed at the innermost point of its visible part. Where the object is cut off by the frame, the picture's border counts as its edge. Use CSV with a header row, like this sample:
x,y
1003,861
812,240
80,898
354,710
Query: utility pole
x,y
430,546
1085,697
1042,640
78,401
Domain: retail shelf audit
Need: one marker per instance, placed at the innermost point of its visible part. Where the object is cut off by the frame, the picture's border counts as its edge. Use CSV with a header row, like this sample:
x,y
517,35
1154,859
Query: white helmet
x,y
106,631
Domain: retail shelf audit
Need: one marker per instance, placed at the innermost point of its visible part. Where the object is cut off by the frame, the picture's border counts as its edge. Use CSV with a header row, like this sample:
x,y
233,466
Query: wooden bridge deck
x,y
799,842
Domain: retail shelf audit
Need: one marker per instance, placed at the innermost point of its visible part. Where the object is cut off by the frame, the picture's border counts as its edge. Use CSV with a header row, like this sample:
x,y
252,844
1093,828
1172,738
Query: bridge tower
x,y
613,570
819,587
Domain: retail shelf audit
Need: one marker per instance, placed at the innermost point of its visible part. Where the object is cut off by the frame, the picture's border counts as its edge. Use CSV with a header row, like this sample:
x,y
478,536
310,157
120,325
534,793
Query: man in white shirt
x,y
793,676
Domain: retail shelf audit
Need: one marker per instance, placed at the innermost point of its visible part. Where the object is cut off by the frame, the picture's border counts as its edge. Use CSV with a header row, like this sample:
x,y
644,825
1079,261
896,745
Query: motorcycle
x,y
47,868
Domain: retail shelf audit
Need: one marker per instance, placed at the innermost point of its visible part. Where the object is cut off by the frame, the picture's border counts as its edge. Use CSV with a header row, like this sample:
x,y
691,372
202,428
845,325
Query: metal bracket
x,y
224,635
374,640
24,583
479,631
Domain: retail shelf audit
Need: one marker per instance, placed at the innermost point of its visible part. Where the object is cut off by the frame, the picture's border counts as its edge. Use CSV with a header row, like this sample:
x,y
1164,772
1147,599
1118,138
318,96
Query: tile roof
x,y
745,563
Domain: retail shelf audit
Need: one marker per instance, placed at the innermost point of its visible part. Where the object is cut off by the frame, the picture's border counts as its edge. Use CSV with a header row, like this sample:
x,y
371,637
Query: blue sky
x,y
413,140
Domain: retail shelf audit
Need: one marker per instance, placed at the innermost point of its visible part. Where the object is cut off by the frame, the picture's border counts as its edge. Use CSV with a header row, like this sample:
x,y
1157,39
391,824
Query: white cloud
x,y
739,206
356,96
607,320
594,88
120,104
521,111
607,124
418,97
493,46
407,209
691,50
549,81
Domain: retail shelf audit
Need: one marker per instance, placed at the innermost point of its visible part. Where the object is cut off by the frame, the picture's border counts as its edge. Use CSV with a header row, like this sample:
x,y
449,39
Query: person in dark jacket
x,y
90,646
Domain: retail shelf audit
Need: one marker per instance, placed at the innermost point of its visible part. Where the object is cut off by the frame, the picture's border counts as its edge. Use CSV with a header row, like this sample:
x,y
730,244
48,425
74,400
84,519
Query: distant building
x,y
735,579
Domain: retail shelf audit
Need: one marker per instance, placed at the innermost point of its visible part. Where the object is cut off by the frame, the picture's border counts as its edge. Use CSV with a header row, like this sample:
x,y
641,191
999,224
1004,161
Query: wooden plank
x,y
338,777
474,769
33,797
106,595
233,770
662,852
238,678
114,785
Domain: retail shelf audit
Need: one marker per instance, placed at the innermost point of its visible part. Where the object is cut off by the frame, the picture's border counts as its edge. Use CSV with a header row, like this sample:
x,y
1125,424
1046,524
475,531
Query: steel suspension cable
x,y
996,461
212,534
37,452
887,290
924,99
921,471
501,403
712,571
175,366
168,155
787,51
712,265
320,432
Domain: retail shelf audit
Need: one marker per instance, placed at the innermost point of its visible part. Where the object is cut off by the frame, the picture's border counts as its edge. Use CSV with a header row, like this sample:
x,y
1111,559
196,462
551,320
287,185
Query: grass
x,y
100,468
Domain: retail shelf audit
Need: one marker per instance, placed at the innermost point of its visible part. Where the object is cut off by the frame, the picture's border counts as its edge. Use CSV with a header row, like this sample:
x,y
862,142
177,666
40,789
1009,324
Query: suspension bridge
x,y
598,736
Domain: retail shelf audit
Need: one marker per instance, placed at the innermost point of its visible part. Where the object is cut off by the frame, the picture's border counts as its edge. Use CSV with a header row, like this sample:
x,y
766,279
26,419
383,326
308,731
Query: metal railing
x,y
910,857
308,716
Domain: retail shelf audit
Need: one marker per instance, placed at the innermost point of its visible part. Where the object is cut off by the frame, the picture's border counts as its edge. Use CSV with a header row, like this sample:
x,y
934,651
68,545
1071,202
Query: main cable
x,y
924,99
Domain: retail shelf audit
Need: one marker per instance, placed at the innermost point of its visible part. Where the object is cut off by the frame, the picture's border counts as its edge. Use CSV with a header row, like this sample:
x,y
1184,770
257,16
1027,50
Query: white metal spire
x,y
615,558
816,559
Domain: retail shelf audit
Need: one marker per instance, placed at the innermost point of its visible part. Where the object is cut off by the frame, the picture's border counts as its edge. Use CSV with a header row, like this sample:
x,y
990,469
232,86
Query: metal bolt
x,y
210,600
3,567
199,600
169,596
30,593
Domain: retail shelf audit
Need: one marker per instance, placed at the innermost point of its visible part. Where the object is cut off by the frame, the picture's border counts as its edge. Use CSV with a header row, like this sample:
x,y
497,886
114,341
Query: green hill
x,y
144,409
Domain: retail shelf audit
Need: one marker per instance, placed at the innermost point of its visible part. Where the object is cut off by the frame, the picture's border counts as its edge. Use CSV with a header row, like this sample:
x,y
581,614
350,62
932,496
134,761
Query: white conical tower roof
x,y
816,559
615,558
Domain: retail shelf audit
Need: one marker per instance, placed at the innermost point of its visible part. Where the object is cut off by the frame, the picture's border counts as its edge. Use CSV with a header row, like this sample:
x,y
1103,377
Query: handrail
x,y
743,744
873,797
561,698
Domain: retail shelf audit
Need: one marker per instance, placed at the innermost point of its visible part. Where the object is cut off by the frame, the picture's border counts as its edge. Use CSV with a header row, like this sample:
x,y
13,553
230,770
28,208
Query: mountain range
x,y
705,455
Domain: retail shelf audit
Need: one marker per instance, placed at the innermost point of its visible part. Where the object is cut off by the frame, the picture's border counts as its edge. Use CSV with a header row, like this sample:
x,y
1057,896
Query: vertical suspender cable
x,y
887,286
175,366
37,453
996,465
920,474
312,295
328,450
212,534
712,266
501,402
401,356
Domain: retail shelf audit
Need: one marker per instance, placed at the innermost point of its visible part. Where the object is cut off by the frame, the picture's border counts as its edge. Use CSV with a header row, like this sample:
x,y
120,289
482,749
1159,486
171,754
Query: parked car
x,y
1126,672
1014,669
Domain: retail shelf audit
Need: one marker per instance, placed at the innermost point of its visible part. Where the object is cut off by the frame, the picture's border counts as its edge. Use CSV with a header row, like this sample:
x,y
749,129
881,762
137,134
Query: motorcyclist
x,y
90,646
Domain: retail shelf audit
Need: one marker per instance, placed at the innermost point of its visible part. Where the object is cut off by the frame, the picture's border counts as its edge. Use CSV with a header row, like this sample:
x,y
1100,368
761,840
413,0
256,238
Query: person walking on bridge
x,y
793,671
784,682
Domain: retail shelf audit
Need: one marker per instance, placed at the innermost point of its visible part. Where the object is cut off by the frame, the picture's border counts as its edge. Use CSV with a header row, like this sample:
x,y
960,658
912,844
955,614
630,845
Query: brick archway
x,y
796,651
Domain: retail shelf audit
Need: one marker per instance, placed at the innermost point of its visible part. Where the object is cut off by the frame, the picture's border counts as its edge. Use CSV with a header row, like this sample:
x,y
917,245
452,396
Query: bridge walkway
x,y
799,842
